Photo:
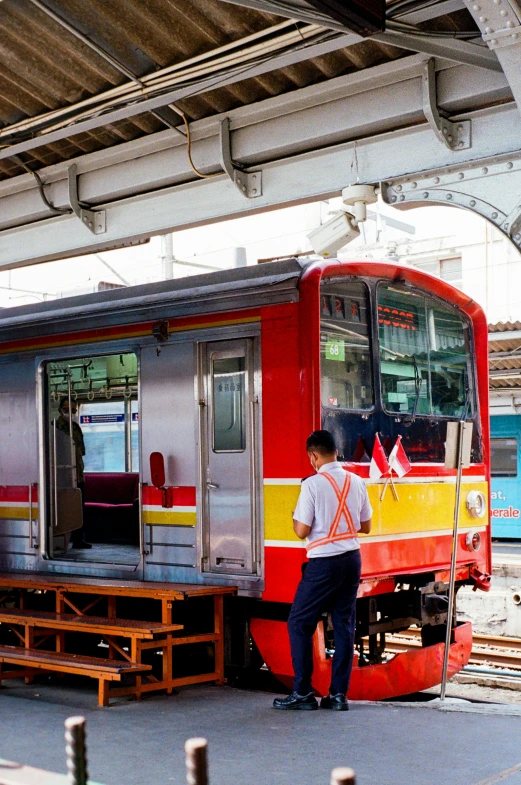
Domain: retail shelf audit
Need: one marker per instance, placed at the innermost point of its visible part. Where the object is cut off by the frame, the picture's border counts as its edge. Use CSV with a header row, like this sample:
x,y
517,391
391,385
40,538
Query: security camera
x,y
327,239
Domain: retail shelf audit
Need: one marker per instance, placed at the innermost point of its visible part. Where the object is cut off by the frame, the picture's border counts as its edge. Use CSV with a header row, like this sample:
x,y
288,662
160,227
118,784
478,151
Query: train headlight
x,y
476,504
473,541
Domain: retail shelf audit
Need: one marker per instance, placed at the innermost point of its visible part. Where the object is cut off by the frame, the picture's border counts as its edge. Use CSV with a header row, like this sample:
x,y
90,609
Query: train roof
x,y
225,290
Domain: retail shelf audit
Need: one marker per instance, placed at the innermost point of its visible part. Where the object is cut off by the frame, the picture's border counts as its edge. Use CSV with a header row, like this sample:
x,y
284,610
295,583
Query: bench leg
x,y
135,653
29,644
103,692
167,664
60,636
111,613
218,626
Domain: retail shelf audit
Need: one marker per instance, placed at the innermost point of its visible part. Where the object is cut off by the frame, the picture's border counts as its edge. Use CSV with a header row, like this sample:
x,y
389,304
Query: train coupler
x,y
482,580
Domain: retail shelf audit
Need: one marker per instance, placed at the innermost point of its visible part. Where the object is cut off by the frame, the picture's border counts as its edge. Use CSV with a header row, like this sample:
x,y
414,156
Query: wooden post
x,y
196,762
29,644
343,776
60,608
135,653
167,664
111,613
218,622
76,750
103,692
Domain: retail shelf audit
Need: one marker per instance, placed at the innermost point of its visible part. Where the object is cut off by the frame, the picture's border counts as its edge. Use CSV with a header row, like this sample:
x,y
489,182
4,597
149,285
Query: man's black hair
x,y
321,442
63,399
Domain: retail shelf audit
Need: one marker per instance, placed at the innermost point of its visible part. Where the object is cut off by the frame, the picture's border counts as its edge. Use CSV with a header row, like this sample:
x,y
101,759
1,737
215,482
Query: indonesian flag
x,y
379,464
398,460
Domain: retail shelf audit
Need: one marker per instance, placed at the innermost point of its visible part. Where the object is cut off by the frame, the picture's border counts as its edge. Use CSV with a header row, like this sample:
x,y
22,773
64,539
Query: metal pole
x,y
76,750
196,762
452,578
55,475
74,476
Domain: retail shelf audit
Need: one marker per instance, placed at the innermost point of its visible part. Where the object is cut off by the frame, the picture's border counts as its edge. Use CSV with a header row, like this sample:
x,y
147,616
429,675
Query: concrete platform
x,y
252,744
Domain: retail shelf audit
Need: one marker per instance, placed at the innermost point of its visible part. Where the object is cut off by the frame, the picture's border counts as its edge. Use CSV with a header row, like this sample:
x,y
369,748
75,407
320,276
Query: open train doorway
x,y
92,459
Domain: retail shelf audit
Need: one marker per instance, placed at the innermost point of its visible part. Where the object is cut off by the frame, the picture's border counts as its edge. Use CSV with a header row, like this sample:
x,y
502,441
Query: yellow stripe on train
x,y
161,517
420,507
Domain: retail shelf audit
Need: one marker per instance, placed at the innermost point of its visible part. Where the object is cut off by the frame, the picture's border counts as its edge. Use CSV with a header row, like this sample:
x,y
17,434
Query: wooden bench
x,y
81,594
95,667
44,623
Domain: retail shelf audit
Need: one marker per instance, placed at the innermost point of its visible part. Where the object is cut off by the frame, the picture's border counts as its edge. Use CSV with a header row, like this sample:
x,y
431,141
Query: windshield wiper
x,y
418,381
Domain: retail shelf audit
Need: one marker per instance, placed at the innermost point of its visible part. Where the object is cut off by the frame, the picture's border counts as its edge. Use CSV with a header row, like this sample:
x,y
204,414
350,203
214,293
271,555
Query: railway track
x,y
497,652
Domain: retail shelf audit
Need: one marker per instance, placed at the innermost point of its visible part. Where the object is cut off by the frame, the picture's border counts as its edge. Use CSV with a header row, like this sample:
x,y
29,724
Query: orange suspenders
x,y
342,510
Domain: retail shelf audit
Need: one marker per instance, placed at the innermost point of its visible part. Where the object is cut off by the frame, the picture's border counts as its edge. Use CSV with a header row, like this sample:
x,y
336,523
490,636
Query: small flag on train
x,y
379,464
398,460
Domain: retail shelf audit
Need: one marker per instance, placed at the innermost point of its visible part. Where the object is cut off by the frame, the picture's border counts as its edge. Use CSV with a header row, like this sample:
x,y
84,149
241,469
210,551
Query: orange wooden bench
x,y
143,635
96,667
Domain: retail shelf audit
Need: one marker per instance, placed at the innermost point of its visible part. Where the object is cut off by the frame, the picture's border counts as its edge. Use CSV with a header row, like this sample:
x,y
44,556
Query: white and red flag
x,y
398,460
379,463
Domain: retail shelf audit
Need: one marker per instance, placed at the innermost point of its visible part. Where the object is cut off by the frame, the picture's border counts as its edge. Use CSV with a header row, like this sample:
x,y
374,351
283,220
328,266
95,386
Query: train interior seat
x,y
111,507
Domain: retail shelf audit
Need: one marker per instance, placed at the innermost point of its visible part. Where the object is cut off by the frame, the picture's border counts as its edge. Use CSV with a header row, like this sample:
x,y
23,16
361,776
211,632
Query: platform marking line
x,y
502,775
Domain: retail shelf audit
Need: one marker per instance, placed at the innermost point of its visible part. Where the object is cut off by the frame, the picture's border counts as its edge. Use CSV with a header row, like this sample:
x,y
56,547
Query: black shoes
x,y
335,702
296,702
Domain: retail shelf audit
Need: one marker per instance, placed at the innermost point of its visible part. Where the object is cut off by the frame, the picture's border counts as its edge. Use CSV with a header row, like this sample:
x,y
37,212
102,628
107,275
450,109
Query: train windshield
x,y
345,346
424,354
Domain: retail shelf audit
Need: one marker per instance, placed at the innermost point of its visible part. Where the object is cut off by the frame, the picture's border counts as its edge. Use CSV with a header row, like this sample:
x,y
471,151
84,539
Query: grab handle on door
x,y
211,485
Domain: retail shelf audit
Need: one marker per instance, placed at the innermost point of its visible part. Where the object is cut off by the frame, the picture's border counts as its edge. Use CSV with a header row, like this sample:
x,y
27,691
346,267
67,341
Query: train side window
x,y
345,353
404,351
228,383
503,457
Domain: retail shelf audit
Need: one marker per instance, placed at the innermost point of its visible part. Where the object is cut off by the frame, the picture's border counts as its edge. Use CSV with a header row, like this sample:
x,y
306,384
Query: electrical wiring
x,y
273,39
403,27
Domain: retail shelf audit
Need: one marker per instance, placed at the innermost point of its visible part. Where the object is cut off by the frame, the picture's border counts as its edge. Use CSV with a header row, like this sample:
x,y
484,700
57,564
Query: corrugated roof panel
x,y
46,66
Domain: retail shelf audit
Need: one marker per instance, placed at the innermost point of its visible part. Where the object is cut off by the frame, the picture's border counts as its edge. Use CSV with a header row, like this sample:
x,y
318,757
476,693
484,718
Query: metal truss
x,y
500,24
490,187
303,143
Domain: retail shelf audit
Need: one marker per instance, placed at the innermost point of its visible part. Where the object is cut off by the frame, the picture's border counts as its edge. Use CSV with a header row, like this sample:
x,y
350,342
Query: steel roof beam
x,y
451,49
500,25
302,142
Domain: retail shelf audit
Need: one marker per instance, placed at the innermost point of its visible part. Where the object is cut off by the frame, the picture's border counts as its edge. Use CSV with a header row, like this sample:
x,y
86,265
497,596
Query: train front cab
x,y
390,351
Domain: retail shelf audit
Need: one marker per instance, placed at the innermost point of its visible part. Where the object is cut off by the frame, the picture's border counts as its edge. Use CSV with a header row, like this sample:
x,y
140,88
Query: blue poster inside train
x,y
505,432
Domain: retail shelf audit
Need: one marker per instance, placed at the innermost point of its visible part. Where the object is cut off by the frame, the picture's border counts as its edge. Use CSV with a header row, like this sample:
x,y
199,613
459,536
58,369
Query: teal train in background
x,y
505,433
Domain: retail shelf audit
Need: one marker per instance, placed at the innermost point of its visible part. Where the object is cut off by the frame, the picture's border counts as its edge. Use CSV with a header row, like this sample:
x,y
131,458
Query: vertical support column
x,y
218,626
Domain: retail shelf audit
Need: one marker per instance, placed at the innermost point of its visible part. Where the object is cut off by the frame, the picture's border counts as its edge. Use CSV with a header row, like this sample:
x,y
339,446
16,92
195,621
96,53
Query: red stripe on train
x,y
379,559
17,493
183,496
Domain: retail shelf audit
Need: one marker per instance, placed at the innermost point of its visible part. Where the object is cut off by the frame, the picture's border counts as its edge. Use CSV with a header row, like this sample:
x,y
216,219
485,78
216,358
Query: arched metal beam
x,y
490,187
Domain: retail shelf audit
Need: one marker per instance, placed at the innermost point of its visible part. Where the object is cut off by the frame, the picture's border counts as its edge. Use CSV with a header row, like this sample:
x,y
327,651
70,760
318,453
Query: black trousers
x,y
329,583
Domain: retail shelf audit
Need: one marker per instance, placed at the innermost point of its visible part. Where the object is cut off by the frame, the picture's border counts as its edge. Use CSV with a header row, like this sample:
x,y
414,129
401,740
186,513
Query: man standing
x,y
64,423
332,508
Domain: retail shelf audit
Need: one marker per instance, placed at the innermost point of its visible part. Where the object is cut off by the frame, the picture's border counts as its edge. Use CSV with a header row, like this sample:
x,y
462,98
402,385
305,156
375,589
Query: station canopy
x,y
146,96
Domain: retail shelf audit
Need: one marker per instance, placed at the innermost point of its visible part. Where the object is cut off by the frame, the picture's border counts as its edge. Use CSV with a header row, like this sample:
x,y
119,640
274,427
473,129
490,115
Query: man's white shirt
x,y
318,504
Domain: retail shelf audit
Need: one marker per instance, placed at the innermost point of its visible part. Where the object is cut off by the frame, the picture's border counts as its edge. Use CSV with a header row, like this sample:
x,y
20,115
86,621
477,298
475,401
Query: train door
x,y
229,473
91,466
169,515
